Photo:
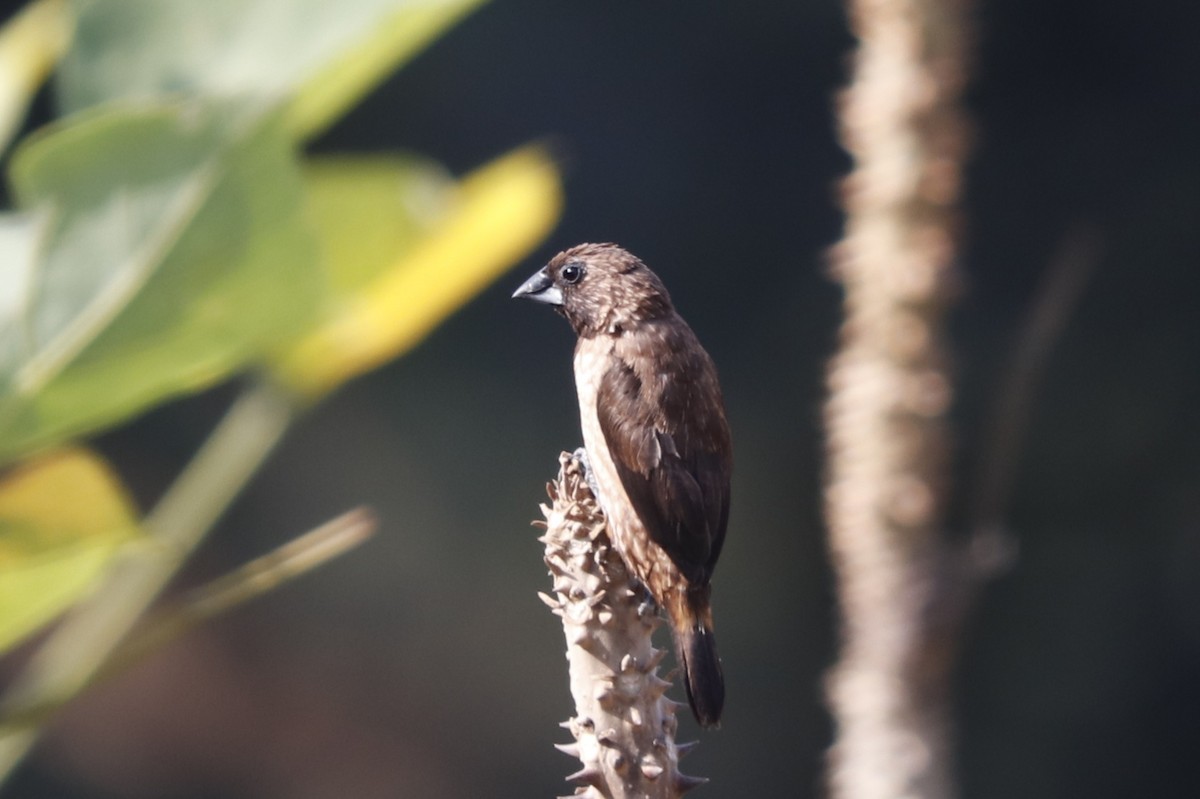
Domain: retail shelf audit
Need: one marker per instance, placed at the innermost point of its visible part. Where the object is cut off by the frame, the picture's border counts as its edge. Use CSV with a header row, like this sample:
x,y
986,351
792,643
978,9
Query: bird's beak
x,y
540,288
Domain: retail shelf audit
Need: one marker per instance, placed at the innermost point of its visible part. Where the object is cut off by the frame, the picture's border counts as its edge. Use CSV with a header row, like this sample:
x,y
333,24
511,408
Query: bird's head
x,y
599,288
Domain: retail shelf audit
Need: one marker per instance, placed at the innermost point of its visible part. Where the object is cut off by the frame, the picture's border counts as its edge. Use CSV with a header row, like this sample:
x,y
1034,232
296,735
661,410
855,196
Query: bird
x,y
657,441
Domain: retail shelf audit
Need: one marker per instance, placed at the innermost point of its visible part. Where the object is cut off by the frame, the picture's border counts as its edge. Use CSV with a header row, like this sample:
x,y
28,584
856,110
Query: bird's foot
x,y
647,605
581,455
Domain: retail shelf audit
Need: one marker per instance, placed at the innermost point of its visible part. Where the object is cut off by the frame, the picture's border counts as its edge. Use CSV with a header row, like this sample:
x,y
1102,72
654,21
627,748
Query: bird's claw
x,y
581,455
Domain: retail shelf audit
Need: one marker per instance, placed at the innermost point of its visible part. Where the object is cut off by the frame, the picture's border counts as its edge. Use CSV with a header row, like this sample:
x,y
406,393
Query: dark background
x,y
700,135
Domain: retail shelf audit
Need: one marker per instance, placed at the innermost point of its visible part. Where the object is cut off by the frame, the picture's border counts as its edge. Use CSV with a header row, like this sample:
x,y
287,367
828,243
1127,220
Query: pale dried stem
x,y
87,638
889,393
249,581
624,725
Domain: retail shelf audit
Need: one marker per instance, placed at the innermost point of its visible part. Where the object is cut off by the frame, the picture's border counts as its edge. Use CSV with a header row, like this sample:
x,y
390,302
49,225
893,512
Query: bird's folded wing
x,y
676,494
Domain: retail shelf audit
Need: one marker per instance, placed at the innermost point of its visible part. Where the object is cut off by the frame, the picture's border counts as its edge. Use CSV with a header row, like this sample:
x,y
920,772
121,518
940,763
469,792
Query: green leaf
x,y
318,56
176,251
62,518
19,242
398,35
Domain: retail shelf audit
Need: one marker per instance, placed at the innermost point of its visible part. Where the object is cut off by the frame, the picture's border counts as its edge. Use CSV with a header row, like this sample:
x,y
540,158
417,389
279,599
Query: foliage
x,y
169,232
52,551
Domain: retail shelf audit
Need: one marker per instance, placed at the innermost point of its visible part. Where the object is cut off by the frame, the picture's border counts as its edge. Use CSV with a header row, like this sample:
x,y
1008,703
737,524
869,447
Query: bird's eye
x,y
572,273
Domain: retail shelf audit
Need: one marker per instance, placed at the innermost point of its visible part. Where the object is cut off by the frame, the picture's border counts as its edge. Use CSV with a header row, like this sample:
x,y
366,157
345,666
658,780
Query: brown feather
x,y
669,442
658,443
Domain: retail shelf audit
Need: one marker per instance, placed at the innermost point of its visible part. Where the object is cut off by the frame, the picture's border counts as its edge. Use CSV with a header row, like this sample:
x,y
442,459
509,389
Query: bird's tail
x,y
696,651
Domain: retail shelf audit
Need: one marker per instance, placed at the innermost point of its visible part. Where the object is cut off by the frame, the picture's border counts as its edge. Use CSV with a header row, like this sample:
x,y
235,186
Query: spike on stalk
x,y
588,775
571,749
685,783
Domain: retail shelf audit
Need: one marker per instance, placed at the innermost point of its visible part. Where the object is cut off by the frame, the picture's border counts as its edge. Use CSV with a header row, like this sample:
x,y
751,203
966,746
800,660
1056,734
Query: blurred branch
x,y
889,393
248,581
1053,304
84,642
624,725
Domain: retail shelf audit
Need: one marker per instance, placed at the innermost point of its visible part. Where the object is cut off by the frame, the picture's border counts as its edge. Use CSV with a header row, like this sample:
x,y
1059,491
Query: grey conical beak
x,y
540,288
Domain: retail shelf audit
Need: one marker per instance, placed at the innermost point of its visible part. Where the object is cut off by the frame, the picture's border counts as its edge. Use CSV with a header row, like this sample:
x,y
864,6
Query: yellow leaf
x,y
62,518
502,211
368,208
30,45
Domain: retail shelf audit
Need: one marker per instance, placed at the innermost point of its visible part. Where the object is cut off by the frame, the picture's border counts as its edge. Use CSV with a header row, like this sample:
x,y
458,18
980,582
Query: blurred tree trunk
x,y
889,391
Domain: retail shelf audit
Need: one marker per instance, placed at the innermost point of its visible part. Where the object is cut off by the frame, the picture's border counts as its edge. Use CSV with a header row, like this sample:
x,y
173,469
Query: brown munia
x,y
656,438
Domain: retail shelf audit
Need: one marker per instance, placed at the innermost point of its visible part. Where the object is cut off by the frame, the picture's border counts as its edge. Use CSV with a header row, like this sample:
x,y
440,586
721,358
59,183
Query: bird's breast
x,y
593,358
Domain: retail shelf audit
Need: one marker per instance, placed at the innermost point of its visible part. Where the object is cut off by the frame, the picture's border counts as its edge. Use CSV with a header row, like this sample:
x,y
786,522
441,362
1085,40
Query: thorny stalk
x,y
624,725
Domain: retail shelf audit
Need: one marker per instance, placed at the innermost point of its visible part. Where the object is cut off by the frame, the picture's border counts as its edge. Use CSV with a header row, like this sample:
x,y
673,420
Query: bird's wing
x,y
679,489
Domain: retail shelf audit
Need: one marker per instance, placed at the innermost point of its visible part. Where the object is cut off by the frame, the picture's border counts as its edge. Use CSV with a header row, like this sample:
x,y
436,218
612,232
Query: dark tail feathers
x,y
696,650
